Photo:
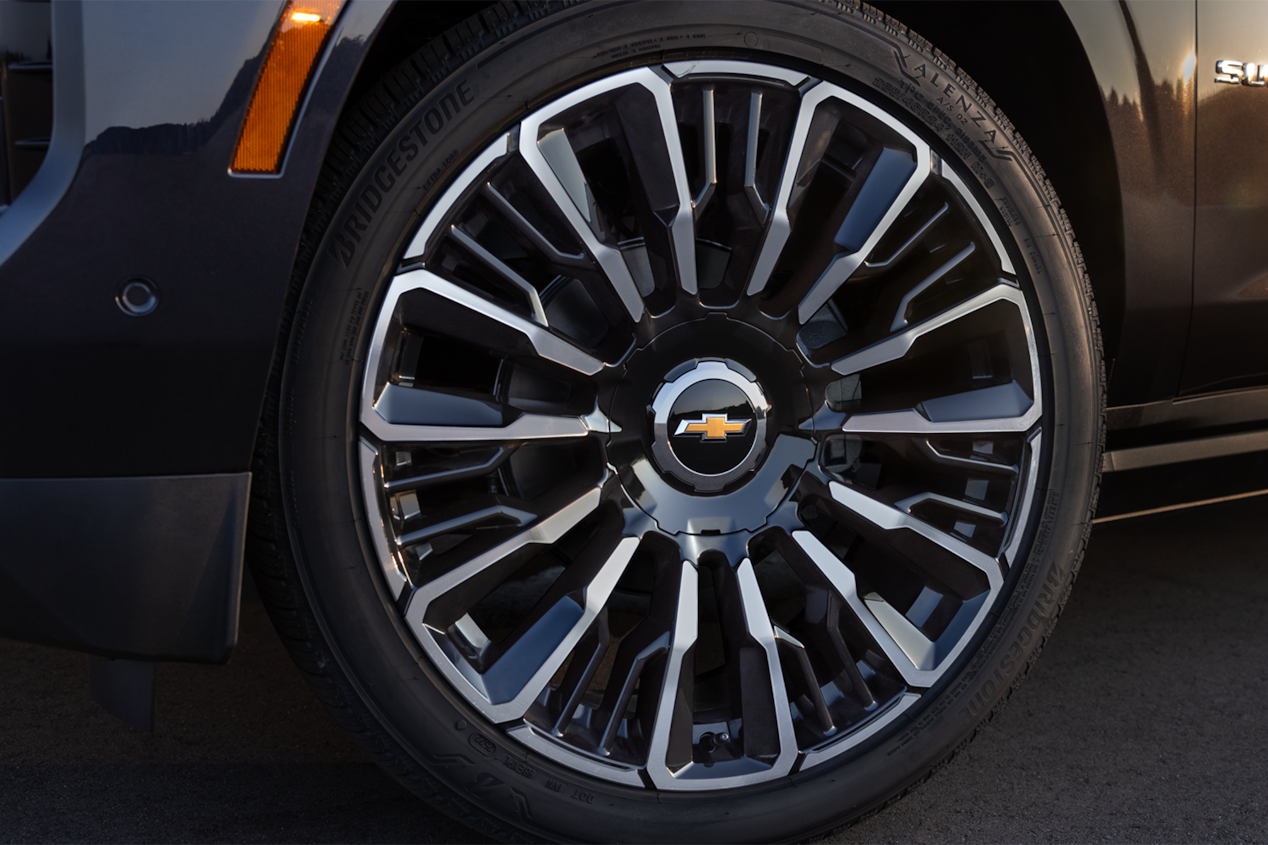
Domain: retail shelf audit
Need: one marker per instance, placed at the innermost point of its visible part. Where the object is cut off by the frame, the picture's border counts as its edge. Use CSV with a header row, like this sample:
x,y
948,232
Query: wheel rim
x,y
700,425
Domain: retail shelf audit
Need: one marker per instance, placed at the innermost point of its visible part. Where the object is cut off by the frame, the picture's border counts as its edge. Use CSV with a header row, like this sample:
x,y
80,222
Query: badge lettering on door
x,y
1245,73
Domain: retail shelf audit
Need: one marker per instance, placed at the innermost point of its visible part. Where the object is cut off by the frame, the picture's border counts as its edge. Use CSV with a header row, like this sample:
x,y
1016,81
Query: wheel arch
x,y
1086,180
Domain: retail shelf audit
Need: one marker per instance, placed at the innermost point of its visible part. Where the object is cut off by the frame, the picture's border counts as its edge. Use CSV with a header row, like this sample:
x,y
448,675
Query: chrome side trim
x,y
1188,450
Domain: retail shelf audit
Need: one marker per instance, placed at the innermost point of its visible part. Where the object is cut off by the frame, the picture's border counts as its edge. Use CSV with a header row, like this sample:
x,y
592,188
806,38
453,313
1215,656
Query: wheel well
x,y
408,27
1076,154
1086,179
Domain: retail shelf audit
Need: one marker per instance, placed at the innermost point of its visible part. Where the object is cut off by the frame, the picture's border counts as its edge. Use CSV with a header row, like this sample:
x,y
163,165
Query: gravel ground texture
x,y
1142,722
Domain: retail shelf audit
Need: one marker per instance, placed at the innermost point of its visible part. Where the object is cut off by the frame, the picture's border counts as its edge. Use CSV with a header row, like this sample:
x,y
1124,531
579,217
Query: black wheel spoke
x,y
1002,408
872,515
906,649
512,216
492,262
880,265
899,344
515,681
968,464
468,311
663,210
446,469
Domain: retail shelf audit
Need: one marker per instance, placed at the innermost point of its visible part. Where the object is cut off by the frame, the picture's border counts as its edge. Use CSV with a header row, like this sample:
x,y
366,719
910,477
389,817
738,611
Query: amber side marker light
x,y
296,45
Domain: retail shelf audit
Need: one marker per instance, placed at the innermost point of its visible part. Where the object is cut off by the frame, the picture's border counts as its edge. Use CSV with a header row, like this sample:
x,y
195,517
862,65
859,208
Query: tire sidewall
x,y
329,527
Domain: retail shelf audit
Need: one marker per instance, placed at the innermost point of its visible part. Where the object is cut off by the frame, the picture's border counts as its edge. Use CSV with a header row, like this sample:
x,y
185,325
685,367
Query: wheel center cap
x,y
709,424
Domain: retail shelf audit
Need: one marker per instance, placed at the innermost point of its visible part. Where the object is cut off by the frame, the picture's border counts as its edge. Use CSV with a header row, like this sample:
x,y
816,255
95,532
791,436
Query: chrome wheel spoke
x,y
541,530
844,265
912,654
803,681
682,220
778,227
1002,408
890,519
880,265
384,423
495,264
969,464
476,309
768,730
709,120
958,504
505,687
521,665
406,410
515,218
578,210
898,345
564,700
904,307
450,469
658,162
465,515
889,180
670,747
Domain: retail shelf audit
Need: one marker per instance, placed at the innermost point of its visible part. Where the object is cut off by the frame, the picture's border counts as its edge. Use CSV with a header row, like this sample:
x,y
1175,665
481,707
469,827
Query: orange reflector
x,y
271,116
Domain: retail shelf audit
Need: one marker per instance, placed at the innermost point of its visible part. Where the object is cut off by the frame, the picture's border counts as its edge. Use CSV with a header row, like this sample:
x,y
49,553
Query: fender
x,y
184,384
1136,232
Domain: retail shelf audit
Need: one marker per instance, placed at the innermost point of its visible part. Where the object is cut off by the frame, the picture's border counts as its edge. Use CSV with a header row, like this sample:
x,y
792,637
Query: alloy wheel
x,y
700,425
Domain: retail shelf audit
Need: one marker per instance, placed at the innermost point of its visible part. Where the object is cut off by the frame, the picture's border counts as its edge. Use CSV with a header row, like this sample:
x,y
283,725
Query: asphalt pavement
x,y
1143,722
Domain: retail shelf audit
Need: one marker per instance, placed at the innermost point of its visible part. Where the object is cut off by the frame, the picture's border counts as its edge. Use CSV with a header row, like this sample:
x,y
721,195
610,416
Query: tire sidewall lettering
x,y
396,154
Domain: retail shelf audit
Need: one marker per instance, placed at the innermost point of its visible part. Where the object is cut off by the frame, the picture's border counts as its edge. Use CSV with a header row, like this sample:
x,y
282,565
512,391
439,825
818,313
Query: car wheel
x,y
688,423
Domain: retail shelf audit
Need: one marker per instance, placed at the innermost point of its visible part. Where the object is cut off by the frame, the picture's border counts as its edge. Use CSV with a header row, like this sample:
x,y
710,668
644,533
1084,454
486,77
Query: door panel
x,y
1142,54
1230,295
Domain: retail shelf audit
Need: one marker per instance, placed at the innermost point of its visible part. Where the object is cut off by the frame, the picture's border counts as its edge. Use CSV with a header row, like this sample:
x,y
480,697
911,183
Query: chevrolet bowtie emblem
x,y
712,427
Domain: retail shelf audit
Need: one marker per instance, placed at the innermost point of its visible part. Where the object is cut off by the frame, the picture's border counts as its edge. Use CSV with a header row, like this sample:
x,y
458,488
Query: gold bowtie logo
x,y
712,427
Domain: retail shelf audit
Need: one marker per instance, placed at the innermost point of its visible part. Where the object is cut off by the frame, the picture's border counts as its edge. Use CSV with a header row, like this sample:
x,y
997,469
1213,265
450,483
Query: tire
x,y
595,501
